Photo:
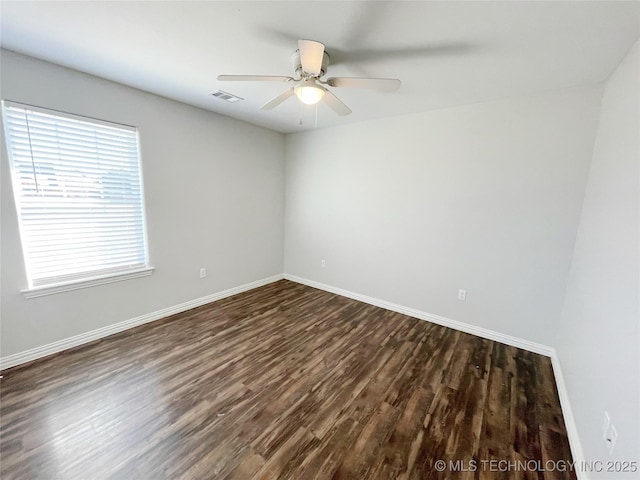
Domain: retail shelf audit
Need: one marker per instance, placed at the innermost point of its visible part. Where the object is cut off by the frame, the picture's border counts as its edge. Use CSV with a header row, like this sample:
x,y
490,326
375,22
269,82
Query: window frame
x,y
90,277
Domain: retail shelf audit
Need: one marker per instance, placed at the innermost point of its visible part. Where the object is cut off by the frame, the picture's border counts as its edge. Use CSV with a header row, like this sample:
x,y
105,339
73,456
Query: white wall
x,y
483,197
599,337
214,195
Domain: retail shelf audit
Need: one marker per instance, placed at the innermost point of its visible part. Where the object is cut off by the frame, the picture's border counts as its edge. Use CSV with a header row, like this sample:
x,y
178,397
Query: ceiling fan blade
x,y
278,100
311,53
420,52
253,78
335,103
377,84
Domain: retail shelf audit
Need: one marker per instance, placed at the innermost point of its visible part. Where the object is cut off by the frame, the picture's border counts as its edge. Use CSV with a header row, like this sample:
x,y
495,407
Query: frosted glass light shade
x,y
309,94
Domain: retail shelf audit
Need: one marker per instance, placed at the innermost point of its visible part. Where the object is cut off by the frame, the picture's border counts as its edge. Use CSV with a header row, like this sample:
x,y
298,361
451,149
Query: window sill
x,y
89,282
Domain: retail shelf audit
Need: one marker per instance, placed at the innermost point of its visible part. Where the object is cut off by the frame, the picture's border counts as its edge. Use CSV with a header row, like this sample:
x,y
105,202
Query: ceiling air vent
x,y
229,97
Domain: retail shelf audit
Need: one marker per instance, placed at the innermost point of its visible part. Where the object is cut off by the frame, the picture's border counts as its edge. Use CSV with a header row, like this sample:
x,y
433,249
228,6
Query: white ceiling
x,y
445,53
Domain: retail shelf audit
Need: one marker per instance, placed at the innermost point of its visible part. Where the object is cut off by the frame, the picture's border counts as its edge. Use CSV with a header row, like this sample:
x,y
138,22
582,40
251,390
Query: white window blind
x,y
78,190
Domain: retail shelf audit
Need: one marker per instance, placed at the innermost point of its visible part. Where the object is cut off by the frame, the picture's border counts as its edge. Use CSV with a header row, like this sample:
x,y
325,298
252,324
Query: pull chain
x,y
33,164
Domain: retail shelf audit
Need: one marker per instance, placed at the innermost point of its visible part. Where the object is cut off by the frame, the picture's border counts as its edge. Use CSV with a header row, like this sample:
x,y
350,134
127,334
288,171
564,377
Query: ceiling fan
x,y
310,62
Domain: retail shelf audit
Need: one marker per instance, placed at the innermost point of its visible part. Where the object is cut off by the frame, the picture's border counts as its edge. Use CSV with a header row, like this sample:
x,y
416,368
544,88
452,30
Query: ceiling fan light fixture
x,y
309,94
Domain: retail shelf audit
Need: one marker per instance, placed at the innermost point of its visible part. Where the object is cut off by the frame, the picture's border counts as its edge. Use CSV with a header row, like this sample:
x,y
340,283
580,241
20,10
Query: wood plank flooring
x,y
284,381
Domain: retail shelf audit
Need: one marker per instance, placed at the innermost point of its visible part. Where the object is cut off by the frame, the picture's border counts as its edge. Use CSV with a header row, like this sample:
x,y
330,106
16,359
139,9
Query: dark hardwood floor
x,y
284,381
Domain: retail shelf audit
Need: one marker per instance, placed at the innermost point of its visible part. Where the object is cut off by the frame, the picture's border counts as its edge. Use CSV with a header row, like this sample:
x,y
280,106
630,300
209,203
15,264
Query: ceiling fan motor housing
x,y
297,64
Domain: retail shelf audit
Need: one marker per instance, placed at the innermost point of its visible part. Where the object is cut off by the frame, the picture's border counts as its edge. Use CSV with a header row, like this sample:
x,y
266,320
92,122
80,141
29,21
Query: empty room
x,y
320,240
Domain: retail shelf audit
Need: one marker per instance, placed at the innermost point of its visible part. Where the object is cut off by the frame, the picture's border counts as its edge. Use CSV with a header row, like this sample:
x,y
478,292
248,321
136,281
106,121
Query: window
x,y
78,189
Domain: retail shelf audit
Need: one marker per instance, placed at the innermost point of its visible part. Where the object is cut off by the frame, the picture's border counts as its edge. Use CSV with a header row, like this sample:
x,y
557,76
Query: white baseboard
x,y
60,345
572,432
430,317
569,420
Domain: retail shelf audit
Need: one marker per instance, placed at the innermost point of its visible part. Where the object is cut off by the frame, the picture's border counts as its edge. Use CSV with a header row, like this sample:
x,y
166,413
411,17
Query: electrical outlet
x,y
462,294
323,263
203,272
